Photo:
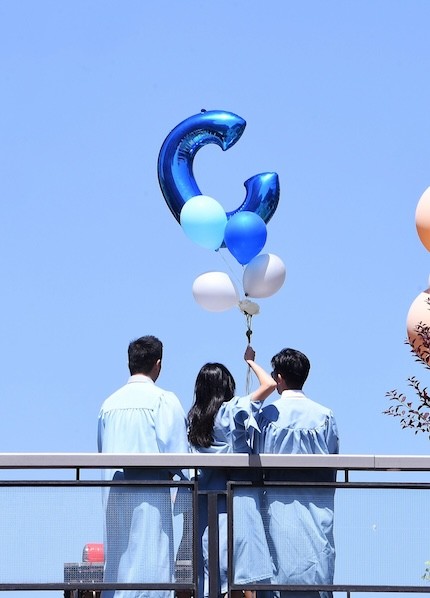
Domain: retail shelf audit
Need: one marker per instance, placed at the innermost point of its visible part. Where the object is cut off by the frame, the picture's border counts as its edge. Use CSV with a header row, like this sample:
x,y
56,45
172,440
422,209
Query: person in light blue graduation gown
x,y
300,520
217,424
141,417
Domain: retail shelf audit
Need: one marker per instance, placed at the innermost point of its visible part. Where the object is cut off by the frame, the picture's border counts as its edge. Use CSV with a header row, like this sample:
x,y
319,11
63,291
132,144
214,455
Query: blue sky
x,y
335,95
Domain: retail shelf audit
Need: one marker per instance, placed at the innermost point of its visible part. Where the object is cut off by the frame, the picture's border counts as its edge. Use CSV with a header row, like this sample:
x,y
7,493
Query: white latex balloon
x,y
215,291
264,275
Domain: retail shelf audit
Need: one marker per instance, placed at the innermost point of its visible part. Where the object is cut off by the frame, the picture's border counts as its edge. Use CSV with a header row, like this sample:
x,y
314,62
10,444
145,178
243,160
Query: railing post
x,y
213,545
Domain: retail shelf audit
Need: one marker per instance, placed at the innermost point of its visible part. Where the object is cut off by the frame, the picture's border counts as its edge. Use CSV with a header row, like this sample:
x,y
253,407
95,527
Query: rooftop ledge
x,y
110,460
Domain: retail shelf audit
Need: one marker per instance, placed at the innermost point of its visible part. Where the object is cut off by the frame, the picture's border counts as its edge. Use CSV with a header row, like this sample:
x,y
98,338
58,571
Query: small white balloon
x,y
215,291
264,275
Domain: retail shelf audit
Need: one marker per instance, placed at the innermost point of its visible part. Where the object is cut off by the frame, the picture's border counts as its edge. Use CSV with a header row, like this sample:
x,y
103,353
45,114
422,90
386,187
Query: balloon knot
x,y
249,308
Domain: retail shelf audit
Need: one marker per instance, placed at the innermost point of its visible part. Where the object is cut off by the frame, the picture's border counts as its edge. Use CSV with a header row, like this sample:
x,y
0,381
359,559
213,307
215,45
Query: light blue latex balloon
x,y
245,236
203,220
175,163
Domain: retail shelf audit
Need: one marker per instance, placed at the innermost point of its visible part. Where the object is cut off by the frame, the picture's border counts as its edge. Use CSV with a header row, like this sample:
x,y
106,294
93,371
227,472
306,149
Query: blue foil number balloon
x,y
175,163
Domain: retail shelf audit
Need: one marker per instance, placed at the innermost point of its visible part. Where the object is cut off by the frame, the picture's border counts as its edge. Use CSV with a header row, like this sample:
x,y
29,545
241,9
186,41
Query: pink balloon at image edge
x,y
419,313
422,218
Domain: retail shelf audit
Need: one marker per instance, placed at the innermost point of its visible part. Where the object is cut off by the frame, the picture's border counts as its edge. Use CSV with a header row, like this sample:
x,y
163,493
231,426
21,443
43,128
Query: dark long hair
x,y
214,386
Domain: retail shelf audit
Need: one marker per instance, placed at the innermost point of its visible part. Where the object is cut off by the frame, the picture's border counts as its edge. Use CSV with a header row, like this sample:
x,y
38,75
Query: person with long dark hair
x,y
217,424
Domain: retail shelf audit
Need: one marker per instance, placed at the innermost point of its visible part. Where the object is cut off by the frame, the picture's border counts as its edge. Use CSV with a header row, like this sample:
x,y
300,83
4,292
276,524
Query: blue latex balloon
x,y
175,163
203,220
245,236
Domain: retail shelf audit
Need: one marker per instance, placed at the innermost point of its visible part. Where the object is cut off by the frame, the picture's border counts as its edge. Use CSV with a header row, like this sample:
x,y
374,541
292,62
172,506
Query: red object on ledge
x,y
93,553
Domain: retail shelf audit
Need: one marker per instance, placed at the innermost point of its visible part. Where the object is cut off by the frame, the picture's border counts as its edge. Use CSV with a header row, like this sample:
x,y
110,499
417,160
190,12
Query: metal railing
x,y
52,504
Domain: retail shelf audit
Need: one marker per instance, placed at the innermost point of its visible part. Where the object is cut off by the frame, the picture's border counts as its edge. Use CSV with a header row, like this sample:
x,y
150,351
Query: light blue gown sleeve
x,y
233,419
100,429
171,425
171,431
332,435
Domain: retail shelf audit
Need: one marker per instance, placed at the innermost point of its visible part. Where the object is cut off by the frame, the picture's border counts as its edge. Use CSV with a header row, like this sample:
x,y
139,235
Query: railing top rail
x,y
191,460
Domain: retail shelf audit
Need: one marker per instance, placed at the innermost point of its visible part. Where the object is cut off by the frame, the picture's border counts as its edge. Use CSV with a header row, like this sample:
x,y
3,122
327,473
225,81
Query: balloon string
x,y
229,267
248,336
248,381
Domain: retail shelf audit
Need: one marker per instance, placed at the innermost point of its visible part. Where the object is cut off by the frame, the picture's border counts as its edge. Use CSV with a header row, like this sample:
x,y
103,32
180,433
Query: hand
x,y
249,354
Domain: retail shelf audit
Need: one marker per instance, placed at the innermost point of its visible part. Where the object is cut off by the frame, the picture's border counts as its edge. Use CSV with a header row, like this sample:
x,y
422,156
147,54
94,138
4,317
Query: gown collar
x,y
293,394
139,378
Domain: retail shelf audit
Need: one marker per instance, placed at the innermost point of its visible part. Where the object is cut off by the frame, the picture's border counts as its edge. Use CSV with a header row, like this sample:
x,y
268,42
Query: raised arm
x,y
267,383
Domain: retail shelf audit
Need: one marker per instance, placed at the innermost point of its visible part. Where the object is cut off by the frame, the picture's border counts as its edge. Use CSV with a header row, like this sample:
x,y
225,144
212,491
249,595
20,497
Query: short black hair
x,y
143,354
293,366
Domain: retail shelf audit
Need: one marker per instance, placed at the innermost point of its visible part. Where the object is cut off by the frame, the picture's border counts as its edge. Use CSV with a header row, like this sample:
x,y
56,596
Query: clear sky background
x,y
335,95
336,99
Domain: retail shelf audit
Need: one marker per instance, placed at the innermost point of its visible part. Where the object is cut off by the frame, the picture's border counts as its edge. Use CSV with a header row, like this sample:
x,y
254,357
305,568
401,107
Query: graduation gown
x,y
251,557
140,418
300,520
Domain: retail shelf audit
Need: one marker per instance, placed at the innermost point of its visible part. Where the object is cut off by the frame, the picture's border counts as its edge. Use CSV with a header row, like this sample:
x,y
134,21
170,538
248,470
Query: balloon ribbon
x,y
248,336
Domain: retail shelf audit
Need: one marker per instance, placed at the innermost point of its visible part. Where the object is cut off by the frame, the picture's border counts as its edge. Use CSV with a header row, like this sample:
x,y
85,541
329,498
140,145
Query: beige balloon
x,y
422,218
417,322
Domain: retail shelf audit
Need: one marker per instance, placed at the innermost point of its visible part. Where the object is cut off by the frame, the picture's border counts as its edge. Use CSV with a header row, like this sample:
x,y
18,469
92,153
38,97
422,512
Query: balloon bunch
x,y
242,232
418,318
